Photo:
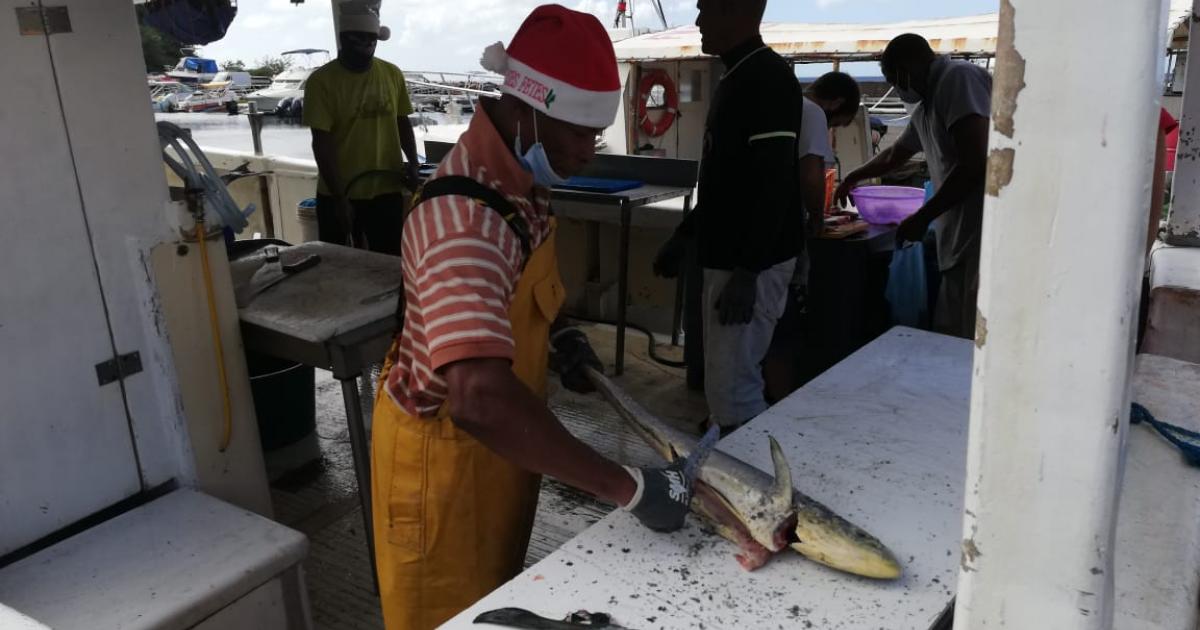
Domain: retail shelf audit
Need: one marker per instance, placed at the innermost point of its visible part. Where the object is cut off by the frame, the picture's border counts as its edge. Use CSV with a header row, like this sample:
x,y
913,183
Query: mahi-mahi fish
x,y
760,514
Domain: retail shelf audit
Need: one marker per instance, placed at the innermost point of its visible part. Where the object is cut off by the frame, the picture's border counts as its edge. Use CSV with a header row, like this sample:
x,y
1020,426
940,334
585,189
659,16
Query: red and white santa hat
x,y
561,62
361,16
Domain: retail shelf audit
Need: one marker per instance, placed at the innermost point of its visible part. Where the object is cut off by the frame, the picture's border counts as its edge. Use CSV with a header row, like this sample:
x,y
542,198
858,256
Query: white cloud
x,y
446,35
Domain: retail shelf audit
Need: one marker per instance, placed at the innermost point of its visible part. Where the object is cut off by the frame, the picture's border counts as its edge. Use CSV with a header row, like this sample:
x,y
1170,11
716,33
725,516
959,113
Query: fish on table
x,y
760,513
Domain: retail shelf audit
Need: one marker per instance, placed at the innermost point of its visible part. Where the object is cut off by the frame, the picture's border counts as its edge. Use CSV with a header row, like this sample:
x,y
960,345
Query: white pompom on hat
x,y
561,62
361,16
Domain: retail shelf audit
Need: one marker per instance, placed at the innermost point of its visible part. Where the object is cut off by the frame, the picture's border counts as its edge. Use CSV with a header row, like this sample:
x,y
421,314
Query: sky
x,y
449,35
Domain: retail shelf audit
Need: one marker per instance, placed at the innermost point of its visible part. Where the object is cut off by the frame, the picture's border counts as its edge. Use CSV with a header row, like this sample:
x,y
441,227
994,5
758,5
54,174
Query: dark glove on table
x,y
573,353
736,303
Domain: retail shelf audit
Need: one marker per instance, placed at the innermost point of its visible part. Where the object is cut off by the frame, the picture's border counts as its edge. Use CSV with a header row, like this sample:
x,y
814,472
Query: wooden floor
x,y
322,501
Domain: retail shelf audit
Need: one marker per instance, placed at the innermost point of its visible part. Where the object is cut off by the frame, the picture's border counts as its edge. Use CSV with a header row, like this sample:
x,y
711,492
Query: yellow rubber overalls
x,y
452,518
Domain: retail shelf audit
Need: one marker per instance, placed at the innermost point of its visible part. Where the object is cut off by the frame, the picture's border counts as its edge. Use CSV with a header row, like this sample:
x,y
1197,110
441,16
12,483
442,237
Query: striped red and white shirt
x,y
461,263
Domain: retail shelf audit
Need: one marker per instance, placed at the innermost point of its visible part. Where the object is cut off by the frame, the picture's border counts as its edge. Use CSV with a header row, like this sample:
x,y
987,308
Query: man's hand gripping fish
x,y
759,514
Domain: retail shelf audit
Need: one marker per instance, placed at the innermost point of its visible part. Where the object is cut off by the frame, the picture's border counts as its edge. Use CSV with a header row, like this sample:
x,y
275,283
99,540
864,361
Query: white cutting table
x,y
880,438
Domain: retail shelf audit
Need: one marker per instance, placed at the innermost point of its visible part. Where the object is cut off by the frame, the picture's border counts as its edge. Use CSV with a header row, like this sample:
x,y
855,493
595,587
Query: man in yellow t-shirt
x,y
357,107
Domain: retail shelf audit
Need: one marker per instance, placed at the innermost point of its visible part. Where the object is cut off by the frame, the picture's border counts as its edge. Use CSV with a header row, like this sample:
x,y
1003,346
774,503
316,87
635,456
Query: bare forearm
x,y
962,181
967,176
883,163
408,142
325,153
505,416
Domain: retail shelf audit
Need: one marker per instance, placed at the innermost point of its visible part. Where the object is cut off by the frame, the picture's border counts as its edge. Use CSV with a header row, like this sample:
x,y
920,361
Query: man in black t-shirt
x,y
748,226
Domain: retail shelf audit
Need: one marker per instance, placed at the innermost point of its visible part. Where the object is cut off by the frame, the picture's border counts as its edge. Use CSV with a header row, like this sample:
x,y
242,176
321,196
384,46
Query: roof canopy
x,y
1177,33
970,36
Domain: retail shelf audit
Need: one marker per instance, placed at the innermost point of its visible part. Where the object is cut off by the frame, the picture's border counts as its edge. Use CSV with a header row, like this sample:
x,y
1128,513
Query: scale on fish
x,y
759,513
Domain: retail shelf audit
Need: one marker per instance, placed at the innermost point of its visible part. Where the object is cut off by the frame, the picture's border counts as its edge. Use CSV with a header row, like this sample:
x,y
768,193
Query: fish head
x,y
824,537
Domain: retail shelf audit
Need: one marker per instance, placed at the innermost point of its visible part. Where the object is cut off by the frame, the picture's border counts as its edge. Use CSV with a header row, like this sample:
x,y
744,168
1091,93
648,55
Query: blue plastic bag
x,y
907,289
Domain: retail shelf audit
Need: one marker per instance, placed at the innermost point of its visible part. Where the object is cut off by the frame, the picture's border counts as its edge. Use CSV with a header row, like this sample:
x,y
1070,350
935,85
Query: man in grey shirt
x,y
950,125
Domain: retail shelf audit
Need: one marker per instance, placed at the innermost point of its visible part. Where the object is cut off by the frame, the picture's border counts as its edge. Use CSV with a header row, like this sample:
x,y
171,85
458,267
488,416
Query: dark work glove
x,y
573,353
663,499
664,495
735,305
670,257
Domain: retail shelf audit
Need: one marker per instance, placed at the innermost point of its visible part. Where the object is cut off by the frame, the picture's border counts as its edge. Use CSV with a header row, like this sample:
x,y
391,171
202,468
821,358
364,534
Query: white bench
x,y
1173,323
1158,527
185,560
13,620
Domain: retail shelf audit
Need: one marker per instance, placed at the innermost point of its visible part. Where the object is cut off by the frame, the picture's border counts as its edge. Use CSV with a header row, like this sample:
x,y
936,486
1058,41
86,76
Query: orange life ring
x,y
651,79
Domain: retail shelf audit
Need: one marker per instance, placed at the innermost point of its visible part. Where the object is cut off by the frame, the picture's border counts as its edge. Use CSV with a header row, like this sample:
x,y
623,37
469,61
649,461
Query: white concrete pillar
x,y
1183,225
1062,258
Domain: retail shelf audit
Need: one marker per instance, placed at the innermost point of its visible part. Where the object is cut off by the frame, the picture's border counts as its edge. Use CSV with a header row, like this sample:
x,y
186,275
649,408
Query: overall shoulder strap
x,y
462,186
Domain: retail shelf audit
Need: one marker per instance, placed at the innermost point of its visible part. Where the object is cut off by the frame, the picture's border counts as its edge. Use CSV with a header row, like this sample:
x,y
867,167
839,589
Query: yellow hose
x,y
214,322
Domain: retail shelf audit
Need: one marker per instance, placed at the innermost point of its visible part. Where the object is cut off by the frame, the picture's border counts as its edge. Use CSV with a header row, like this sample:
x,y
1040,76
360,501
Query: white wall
x,y
85,204
685,138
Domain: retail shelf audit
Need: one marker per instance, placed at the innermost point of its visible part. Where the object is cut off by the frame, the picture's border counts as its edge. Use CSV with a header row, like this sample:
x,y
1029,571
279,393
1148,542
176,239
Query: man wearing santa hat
x,y
357,107
461,429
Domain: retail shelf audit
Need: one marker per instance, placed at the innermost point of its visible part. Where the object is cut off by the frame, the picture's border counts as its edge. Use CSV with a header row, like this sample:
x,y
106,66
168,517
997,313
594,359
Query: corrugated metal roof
x,y
1177,35
969,36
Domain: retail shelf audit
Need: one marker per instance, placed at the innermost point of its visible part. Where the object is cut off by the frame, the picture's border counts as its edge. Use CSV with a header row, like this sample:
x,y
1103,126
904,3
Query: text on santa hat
x,y
534,89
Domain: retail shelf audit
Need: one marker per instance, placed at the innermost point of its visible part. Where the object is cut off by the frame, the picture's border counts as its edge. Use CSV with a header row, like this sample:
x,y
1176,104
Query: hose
x,y
651,345
200,175
218,347
205,190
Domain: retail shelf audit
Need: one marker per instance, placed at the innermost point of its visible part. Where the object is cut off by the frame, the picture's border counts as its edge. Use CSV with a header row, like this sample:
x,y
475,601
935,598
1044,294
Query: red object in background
x,y
622,6
652,78
830,188
1168,125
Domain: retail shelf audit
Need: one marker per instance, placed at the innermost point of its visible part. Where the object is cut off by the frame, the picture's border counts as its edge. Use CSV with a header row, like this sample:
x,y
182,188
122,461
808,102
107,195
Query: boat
x,y
166,96
133,487
194,70
288,84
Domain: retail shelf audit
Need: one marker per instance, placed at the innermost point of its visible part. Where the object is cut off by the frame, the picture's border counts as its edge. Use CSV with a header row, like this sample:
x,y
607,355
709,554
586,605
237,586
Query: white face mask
x,y
536,161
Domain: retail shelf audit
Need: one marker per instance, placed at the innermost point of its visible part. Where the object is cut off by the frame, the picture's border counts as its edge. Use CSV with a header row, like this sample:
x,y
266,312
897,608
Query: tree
x,y
234,65
270,66
159,51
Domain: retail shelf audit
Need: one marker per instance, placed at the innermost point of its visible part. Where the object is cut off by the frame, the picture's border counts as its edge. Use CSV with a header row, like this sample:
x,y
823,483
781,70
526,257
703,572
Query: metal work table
x,y
626,202
881,439
338,316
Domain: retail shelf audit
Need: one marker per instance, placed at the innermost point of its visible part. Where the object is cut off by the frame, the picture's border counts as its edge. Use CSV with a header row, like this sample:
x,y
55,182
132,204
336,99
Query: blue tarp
x,y
191,22
203,66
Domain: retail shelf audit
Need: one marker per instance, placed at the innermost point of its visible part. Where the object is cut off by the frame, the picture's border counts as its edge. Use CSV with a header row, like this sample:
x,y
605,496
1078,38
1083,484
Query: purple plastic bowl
x,y
885,205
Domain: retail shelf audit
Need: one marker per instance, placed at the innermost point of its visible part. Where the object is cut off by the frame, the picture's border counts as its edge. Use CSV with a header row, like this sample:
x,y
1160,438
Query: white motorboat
x,y
288,84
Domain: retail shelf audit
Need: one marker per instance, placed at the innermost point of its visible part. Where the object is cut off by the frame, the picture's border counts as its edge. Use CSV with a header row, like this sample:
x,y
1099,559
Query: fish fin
x,y
781,490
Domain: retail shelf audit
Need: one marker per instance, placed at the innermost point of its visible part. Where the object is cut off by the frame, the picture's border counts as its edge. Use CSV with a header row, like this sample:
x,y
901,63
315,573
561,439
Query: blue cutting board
x,y
601,184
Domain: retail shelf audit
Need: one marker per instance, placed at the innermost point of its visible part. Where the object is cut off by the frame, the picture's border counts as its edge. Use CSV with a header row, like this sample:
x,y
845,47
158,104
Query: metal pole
x,y
1183,223
623,286
264,188
360,449
256,123
677,313
1063,248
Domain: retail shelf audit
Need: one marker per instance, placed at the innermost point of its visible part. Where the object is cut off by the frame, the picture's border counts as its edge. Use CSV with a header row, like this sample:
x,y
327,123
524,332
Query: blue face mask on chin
x,y
536,161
